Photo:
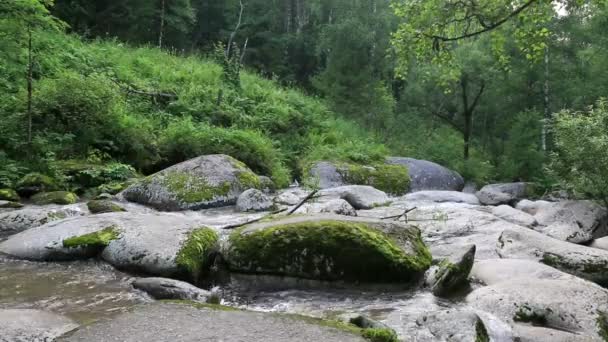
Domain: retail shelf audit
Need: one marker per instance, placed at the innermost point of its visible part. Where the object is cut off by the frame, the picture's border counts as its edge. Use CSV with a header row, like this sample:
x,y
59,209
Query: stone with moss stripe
x,y
99,239
55,197
204,182
193,257
330,247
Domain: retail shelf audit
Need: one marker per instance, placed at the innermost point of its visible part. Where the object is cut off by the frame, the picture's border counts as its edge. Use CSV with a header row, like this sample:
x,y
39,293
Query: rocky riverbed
x,y
437,265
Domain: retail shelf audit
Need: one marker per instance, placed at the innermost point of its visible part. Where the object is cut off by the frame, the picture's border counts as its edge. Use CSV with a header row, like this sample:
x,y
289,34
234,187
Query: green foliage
x,y
580,160
193,257
380,335
392,179
9,195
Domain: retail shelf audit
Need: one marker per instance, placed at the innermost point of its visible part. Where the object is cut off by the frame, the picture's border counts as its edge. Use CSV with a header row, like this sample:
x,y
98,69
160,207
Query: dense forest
x,y
108,88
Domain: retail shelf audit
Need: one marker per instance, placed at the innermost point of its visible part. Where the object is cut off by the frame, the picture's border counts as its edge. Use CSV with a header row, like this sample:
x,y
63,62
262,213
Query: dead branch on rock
x,y
398,217
238,225
309,197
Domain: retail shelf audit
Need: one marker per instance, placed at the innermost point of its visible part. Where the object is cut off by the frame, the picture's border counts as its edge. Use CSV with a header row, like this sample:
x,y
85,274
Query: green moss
x,y
392,179
192,257
249,180
328,250
55,197
193,189
10,205
594,270
54,216
602,326
451,276
103,206
380,335
481,333
100,238
9,195
37,182
112,188
527,315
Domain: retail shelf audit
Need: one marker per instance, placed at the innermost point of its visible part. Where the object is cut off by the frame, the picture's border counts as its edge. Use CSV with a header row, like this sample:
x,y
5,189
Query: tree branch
x,y
236,29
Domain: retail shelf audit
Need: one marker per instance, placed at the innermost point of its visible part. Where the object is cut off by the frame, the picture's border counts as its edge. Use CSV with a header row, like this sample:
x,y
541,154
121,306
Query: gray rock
x,y
204,182
164,288
254,200
267,185
587,218
563,305
442,196
338,207
565,232
514,216
184,323
359,196
470,188
325,175
529,333
506,193
15,221
585,262
494,271
26,325
531,207
426,175
291,196
455,325
453,272
600,243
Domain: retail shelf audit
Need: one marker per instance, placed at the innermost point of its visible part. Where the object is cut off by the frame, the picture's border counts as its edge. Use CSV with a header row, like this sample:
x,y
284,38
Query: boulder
x,y
158,244
514,216
15,221
10,205
359,196
103,206
329,247
26,325
291,196
581,261
55,197
254,200
204,182
164,288
325,175
426,175
586,218
600,243
565,232
563,305
494,271
33,183
9,195
505,193
453,272
267,185
200,322
338,207
438,196
452,325
530,207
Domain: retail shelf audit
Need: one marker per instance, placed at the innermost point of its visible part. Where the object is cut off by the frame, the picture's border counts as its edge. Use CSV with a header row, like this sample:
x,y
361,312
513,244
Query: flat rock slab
x,y
16,221
514,216
26,325
442,196
494,271
184,323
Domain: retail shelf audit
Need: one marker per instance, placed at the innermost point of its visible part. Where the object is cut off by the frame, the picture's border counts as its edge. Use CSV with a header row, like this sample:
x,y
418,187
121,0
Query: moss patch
x,y
99,239
35,182
392,179
55,197
481,333
192,258
10,205
527,315
9,195
602,326
249,180
193,189
380,335
103,206
328,250
594,270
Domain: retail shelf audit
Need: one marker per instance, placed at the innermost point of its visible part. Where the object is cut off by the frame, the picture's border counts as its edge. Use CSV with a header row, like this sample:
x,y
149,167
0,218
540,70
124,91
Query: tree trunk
x,y
30,68
468,116
547,111
162,24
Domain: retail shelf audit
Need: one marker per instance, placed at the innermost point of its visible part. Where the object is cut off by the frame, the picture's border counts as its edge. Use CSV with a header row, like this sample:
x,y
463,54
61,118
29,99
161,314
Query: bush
x,y
184,139
580,159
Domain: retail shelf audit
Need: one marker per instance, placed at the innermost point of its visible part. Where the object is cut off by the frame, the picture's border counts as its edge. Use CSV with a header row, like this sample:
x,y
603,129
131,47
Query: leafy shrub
x,y
580,159
81,175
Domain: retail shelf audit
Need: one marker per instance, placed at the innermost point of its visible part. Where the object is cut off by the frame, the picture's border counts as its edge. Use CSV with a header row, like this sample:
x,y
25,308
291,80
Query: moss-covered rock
x,y
392,179
380,335
193,257
330,247
10,205
98,239
103,206
203,182
55,197
33,183
453,272
9,195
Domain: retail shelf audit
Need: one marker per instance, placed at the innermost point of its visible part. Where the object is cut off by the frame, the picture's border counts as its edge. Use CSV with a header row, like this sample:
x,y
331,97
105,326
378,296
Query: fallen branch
x,y
238,225
398,217
311,195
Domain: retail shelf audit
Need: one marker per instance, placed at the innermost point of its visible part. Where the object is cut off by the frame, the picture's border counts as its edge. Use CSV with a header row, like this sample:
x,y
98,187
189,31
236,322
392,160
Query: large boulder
x,y
203,182
194,323
585,262
359,196
514,216
158,244
494,271
13,222
505,193
254,200
439,196
393,179
586,219
24,325
329,247
574,306
426,175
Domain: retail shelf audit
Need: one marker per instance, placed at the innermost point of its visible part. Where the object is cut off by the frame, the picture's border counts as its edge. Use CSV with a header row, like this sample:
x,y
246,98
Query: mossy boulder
x,y
9,195
204,182
426,175
453,272
10,205
330,247
103,206
55,197
33,183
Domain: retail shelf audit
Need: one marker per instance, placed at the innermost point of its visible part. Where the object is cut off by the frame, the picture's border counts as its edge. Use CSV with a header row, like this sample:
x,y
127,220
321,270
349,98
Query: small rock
x,y
291,196
164,288
531,207
103,206
453,272
506,193
442,196
359,196
515,216
454,325
26,325
254,200
339,207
